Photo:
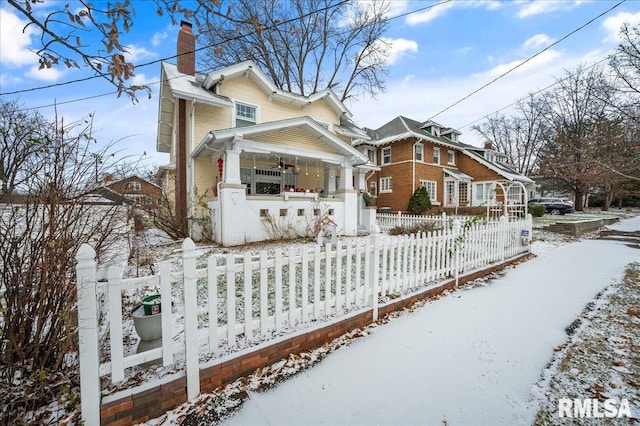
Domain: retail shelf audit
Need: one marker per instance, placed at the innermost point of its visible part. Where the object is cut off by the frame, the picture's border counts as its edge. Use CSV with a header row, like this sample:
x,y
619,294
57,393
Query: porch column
x,y
361,183
346,177
329,180
231,166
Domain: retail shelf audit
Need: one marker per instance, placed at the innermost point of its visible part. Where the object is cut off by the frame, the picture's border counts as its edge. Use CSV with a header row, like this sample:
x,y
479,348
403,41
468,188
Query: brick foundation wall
x,y
153,402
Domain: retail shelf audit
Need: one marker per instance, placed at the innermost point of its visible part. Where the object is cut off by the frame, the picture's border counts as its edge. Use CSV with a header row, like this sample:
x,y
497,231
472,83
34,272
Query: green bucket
x,y
151,304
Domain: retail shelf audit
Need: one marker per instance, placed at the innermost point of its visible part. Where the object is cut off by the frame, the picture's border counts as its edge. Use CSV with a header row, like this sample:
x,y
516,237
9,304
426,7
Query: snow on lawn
x,y
473,357
602,359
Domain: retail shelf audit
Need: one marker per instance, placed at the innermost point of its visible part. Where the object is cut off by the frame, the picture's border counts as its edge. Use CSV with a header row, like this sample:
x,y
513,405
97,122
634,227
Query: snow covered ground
x,y
474,357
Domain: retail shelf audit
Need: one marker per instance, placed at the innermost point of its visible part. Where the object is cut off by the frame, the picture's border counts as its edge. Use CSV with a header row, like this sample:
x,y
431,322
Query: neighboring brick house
x,y
138,191
412,154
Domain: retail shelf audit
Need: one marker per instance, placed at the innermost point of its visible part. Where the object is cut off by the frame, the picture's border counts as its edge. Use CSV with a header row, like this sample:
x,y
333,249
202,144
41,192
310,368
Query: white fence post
x,y
190,318
88,335
457,247
374,261
443,217
399,219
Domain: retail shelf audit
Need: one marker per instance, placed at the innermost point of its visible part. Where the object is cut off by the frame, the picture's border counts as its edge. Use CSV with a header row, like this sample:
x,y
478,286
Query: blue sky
x,y
439,55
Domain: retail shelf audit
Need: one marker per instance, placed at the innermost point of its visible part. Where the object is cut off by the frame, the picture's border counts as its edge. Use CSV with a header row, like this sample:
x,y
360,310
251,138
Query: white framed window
x,y
371,155
419,148
373,188
463,193
483,193
432,188
134,186
386,157
386,184
514,194
245,114
436,155
451,157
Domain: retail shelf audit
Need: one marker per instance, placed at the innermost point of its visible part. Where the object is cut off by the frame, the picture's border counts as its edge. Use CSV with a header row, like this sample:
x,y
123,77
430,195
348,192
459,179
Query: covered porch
x,y
281,180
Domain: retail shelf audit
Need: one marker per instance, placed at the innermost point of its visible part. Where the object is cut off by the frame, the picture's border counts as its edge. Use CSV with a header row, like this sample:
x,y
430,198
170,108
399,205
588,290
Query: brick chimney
x,y
186,49
488,145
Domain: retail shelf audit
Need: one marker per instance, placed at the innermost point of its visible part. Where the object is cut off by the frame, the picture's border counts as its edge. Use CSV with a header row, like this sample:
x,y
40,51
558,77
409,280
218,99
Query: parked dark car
x,y
555,205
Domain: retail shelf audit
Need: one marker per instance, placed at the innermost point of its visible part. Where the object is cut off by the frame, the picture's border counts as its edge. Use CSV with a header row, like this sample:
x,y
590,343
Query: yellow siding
x,y
210,118
246,90
205,177
295,138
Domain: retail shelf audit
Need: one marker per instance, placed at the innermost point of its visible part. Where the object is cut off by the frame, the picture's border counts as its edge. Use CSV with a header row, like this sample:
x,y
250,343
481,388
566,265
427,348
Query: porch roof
x,y
216,139
457,174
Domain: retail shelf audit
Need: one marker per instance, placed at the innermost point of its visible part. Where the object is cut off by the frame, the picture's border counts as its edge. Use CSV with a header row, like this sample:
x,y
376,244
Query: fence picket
x,y
212,290
327,279
316,282
293,312
338,277
115,329
305,286
248,296
348,276
278,289
231,300
354,274
358,289
264,293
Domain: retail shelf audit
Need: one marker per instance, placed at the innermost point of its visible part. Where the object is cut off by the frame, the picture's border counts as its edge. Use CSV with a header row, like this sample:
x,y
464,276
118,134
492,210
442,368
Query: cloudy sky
x,y
440,55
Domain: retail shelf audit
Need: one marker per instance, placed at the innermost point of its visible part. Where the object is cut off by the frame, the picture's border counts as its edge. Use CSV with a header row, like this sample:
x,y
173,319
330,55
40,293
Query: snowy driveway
x,y
471,358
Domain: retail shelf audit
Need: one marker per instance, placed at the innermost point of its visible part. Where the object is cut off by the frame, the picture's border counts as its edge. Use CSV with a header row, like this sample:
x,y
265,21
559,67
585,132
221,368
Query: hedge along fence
x,y
254,297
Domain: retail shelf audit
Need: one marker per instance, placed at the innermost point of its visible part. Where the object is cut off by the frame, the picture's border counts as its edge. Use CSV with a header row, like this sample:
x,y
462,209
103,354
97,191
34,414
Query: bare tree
x,y
63,26
626,61
572,113
39,237
518,136
304,46
22,137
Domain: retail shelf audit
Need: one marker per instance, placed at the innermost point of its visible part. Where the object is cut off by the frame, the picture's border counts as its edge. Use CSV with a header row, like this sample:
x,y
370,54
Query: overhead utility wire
x,y
174,56
544,89
274,26
526,60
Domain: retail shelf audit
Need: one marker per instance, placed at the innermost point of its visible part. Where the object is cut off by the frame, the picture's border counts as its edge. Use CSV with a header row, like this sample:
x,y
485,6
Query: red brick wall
x,y
401,169
155,401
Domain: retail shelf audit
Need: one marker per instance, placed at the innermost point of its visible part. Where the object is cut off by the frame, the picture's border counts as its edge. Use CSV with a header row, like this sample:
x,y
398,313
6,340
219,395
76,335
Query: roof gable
x,y
248,69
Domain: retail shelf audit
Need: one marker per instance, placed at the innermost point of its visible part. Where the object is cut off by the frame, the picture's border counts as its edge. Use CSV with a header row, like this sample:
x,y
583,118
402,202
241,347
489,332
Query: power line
x,y
526,60
544,89
103,75
269,28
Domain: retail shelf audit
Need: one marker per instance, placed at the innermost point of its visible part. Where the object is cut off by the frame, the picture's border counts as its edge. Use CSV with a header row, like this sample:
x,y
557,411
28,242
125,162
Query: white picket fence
x,y
388,221
252,297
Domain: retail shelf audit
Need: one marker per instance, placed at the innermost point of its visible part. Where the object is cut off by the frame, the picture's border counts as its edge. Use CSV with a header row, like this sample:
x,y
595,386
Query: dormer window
x,y
246,115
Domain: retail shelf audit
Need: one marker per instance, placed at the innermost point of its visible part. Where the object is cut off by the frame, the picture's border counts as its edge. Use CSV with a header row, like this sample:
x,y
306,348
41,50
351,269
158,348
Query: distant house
x,y
133,190
256,161
412,154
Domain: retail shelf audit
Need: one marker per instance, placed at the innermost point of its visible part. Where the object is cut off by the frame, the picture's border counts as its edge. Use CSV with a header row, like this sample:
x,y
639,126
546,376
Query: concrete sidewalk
x,y
471,358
